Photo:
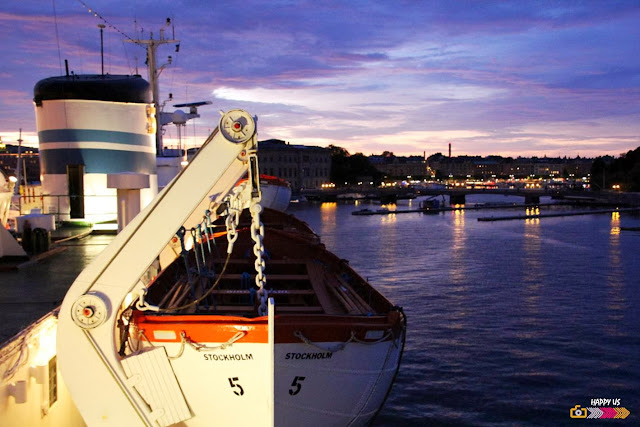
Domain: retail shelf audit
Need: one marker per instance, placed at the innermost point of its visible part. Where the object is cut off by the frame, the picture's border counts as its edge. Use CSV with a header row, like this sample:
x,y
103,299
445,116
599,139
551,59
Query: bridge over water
x,y
458,195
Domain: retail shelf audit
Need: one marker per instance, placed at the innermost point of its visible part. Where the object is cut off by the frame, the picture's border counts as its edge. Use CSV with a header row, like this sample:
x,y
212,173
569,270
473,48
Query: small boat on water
x,y
207,309
365,211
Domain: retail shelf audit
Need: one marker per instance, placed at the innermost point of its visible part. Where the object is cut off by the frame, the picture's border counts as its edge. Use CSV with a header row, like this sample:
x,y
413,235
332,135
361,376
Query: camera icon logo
x,y
578,412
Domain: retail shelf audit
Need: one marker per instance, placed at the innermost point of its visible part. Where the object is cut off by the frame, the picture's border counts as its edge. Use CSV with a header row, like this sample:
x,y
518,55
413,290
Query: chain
x,y
142,305
257,234
234,202
234,208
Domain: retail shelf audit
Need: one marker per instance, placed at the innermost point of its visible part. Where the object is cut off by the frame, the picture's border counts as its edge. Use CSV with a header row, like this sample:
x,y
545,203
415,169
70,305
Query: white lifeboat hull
x,y
312,385
276,192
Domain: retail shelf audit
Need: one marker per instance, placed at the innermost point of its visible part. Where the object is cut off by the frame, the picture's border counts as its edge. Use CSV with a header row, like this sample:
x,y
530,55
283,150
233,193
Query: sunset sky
x,y
519,78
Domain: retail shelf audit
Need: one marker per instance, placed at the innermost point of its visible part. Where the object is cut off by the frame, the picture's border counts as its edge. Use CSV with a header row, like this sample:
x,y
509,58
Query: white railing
x,y
96,208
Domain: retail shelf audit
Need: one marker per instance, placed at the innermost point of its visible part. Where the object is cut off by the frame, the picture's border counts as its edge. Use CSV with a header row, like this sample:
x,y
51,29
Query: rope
x,y
24,351
234,207
142,305
100,17
402,336
206,294
196,346
55,21
383,338
181,351
340,346
364,399
201,347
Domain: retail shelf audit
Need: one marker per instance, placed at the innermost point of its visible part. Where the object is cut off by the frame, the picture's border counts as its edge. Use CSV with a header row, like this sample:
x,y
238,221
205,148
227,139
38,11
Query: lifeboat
x,y
276,192
208,309
337,341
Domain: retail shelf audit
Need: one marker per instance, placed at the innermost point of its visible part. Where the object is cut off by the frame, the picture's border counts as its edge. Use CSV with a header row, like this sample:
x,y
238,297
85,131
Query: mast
x,y
101,26
18,166
151,45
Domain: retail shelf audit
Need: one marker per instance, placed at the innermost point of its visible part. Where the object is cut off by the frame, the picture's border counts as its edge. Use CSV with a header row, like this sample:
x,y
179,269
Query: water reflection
x,y
458,246
389,218
616,302
615,224
328,213
459,281
532,212
391,244
533,269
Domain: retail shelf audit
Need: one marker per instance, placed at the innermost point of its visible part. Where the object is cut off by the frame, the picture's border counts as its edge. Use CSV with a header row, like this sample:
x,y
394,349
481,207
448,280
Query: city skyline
x,y
513,79
13,147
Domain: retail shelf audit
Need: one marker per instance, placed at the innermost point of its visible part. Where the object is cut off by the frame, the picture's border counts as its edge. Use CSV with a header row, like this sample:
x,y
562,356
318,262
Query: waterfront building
x,y
30,167
303,166
400,167
496,166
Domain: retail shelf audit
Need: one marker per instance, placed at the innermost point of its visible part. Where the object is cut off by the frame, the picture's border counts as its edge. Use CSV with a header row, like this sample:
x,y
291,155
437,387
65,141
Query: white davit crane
x,y
86,341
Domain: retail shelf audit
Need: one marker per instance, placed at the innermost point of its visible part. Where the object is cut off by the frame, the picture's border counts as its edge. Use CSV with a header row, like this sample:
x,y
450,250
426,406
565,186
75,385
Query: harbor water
x,y
510,322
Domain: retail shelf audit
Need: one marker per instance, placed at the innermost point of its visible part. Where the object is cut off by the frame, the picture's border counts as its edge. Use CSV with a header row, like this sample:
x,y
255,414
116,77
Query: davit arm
x,y
86,341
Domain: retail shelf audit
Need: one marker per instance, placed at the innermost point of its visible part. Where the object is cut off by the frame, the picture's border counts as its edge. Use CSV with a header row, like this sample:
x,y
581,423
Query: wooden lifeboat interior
x,y
302,276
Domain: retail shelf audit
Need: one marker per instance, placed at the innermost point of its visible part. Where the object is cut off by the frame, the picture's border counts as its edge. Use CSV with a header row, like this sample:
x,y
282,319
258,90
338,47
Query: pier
x,y
456,208
552,215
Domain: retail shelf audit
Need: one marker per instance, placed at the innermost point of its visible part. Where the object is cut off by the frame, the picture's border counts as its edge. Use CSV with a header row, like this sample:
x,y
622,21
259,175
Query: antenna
x,y
193,106
101,26
179,117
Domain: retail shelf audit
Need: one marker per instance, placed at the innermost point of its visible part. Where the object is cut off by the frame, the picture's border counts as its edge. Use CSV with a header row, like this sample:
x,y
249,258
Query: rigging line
x,y
109,24
109,52
126,55
176,55
55,20
173,62
193,122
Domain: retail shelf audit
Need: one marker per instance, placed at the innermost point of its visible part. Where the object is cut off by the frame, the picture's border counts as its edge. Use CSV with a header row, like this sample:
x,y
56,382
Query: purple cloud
x,y
489,77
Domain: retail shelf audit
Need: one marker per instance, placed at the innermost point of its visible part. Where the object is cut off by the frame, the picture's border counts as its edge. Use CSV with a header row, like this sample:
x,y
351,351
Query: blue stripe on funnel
x,y
95,135
97,161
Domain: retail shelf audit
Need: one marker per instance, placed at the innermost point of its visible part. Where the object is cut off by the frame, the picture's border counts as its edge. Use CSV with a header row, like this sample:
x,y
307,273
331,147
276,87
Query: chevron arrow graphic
x,y
621,413
594,413
608,413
